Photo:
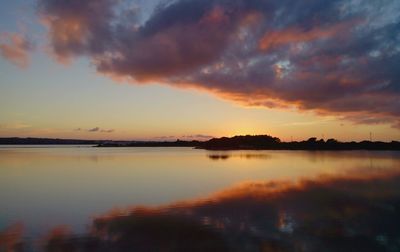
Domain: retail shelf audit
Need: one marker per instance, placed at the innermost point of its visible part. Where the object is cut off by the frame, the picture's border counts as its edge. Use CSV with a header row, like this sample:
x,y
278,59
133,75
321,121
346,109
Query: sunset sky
x,y
196,69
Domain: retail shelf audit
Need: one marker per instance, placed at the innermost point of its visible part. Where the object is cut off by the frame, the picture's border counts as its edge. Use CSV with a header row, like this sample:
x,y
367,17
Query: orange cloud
x,y
297,34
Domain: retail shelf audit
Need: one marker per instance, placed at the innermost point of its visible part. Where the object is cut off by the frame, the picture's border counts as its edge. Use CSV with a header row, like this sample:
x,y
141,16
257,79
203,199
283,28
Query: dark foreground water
x,y
181,199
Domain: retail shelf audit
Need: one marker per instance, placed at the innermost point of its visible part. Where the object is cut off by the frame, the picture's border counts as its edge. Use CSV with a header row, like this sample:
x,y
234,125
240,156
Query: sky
x,y
196,69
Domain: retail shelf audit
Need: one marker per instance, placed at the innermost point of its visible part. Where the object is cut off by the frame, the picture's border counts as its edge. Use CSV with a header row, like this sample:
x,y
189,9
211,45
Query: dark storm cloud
x,y
333,57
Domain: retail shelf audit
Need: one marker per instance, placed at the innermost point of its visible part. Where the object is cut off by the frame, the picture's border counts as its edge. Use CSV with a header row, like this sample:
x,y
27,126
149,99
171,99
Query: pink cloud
x,y
15,48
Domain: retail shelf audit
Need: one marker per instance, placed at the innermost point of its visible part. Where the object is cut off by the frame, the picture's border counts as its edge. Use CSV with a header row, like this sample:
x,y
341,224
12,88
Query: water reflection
x,y
226,155
357,212
11,238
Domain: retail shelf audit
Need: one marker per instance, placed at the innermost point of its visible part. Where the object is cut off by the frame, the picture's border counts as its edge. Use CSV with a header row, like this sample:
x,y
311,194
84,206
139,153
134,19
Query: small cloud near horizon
x,y
185,137
198,136
107,130
95,129
15,125
165,137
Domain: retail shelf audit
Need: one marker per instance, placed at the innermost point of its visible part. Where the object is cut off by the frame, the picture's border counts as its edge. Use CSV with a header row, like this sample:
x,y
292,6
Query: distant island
x,y
45,141
248,142
266,142
97,143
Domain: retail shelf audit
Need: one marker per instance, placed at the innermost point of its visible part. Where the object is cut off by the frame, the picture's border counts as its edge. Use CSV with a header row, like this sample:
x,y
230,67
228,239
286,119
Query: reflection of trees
x,y
329,214
218,156
225,156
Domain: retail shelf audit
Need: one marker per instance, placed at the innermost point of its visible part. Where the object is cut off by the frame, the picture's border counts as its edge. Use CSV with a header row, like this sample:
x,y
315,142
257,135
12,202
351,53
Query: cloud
x,y
15,48
198,136
332,57
166,137
75,26
107,130
96,129
15,125
185,137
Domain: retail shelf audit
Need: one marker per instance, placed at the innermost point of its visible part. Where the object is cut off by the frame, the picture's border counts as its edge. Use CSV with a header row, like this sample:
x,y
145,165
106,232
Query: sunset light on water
x,y
199,125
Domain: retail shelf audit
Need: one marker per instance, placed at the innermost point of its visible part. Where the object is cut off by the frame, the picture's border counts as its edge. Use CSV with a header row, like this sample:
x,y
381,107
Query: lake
x,y
248,200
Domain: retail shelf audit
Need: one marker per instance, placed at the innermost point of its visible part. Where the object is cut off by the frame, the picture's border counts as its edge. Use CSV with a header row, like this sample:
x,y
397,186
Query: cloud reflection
x,y
360,212
11,238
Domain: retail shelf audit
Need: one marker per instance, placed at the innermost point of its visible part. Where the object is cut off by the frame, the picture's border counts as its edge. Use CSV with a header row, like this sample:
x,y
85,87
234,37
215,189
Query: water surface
x,y
43,187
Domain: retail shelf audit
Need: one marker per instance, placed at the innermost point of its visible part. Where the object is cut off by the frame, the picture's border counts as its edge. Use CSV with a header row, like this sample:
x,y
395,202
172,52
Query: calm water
x,y
257,199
